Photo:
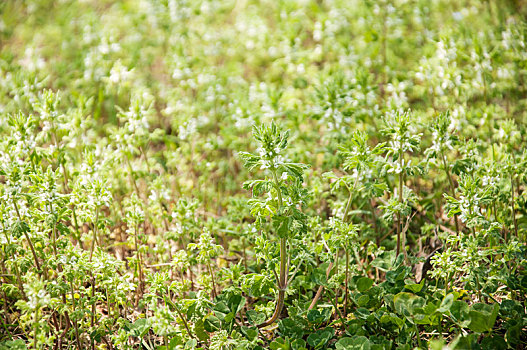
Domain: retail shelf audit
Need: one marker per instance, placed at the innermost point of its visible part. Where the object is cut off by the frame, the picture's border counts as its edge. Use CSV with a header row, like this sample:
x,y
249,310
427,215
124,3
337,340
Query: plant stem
x,y
337,287
320,288
76,225
75,321
184,322
417,335
139,262
330,267
348,204
146,159
35,320
132,180
65,184
214,294
376,228
92,323
346,283
337,310
95,224
93,278
244,254
452,189
27,238
282,283
15,266
181,315
54,233
399,219
384,51
512,207
478,286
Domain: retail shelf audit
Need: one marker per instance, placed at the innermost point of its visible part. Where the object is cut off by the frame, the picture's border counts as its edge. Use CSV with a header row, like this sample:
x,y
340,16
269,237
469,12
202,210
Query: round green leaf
x,y
364,283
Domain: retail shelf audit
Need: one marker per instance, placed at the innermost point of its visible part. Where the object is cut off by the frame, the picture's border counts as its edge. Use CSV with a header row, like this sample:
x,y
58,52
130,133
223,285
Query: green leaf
x,y
384,261
236,303
482,317
465,342
13,345
255,318
293,328
221,310
459,312
494,343
319,276
414,287
250,161
19,228
212,323
295,169
199,330
363,300
319,339
191,344
407,303
258,186
362,313
257,285
174,342
364,283
298,344
514,331
250,333
282,225
315,316
229,317
393,319
438,344
139,327
355,343
279,344
511,308
446,304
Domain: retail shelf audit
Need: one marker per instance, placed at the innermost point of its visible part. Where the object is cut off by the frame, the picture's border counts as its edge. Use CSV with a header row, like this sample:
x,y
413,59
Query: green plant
x,y
284,195
123,222
403,139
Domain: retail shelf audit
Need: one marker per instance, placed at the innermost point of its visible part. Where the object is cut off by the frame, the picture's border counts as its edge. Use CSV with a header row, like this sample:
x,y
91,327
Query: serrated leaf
x,y
250,161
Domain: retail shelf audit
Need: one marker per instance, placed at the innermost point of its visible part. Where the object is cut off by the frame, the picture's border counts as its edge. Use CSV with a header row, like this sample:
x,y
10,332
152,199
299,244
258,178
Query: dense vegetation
x,y
273,174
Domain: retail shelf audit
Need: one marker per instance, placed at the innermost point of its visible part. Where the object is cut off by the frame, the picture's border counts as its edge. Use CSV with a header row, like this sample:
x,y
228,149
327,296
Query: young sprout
x,y
284,196
135,216
362,160
207,250
443,142
403,139
90,194
344,235
471,196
